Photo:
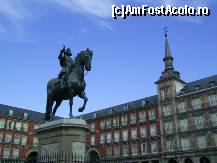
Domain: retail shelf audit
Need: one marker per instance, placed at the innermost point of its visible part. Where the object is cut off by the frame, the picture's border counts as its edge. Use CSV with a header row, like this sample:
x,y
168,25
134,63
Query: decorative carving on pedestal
x,y
78,150
63,139
49,149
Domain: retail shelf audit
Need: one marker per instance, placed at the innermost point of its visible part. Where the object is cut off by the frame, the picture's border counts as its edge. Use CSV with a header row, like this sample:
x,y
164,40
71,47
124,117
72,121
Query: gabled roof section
x,y
202,84
129,106
18,113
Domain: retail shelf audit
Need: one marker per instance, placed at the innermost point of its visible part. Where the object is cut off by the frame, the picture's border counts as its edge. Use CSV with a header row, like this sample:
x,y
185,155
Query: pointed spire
x,y
168,59
169,71
167,48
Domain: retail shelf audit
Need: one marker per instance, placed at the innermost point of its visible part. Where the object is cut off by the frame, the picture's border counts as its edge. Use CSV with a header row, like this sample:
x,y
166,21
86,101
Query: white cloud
x,y
16,13
99,8
14,10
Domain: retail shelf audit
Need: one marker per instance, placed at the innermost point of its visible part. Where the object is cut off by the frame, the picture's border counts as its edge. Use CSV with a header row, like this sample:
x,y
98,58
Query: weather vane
x,y
165,31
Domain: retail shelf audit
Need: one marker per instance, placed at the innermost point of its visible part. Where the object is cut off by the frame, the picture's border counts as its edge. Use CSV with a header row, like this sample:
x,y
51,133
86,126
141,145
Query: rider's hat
x,y
68,52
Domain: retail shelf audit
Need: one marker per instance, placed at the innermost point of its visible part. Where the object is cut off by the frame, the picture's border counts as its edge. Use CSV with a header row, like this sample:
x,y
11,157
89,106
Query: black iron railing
x,y
47,158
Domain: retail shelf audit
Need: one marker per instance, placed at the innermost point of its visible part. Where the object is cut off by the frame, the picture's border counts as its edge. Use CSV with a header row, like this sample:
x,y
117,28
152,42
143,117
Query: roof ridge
x,y
101,110
201,79
9,106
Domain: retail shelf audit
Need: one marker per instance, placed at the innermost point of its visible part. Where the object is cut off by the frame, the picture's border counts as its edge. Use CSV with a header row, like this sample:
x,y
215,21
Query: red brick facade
x,y
25,142
138,141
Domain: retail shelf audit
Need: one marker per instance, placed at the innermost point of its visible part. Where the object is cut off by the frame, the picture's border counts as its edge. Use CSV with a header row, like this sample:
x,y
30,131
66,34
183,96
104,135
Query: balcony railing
x,y
60,157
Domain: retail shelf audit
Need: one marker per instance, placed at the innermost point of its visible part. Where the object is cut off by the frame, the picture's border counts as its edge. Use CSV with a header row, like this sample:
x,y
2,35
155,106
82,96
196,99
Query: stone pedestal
x,y
62,140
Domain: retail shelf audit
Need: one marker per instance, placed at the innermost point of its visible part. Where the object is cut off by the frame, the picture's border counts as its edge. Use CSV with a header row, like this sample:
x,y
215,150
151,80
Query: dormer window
x,y
197,88
182,90
25,116
110,111
10,112
143,103
94,115
212,83
126,107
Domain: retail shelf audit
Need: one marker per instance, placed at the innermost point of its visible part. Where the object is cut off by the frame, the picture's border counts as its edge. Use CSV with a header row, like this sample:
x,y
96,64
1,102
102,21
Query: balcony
x,y
191,108
209,105
102,142
115,125
108,127
109,142
143,137
116,141
152,119
102,129
154,136
134,140
8,142
124,123
133,120
125,141
142,121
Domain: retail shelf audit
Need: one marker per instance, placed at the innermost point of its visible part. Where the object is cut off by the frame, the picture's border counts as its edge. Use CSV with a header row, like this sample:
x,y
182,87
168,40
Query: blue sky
x,y
127,53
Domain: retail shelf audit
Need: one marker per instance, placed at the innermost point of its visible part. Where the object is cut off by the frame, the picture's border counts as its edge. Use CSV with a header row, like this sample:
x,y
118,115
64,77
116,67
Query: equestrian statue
x,y
70,81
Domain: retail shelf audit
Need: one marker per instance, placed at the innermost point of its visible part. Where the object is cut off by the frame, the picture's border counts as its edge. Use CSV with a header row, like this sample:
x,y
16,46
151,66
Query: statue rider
x,y
65,62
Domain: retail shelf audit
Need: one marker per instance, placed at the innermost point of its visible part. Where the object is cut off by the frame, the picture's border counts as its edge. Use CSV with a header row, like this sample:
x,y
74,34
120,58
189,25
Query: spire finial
x,y
165,31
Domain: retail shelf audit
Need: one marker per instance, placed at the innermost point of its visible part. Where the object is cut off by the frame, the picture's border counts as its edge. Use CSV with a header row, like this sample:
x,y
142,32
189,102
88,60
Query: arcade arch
x,y
188,160
172,161
204,160
92,156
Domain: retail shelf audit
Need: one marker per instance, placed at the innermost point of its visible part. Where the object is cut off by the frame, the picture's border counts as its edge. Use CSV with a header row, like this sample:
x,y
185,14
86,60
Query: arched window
x,y
172,161
188,160
93,156
204,160
32,157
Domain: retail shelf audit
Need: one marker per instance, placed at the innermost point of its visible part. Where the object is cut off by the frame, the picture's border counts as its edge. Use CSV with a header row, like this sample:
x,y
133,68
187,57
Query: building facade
x,y
17,139
126,132
178,125
187,116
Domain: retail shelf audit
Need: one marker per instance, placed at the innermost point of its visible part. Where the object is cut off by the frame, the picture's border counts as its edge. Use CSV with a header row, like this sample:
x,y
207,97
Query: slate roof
x,y
18,113
150,101
201,84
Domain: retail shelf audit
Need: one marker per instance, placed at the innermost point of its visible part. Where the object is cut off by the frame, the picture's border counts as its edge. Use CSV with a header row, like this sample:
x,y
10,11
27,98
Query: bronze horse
x,y
75,86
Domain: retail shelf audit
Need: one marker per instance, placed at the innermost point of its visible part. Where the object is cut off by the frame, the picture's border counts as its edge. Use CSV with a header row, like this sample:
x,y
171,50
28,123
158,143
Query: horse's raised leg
x,y
70,105
83,96
55,108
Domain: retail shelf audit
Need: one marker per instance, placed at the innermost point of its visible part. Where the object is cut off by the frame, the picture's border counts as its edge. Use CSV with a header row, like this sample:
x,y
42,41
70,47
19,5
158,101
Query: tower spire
x,y
168,59
169,71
